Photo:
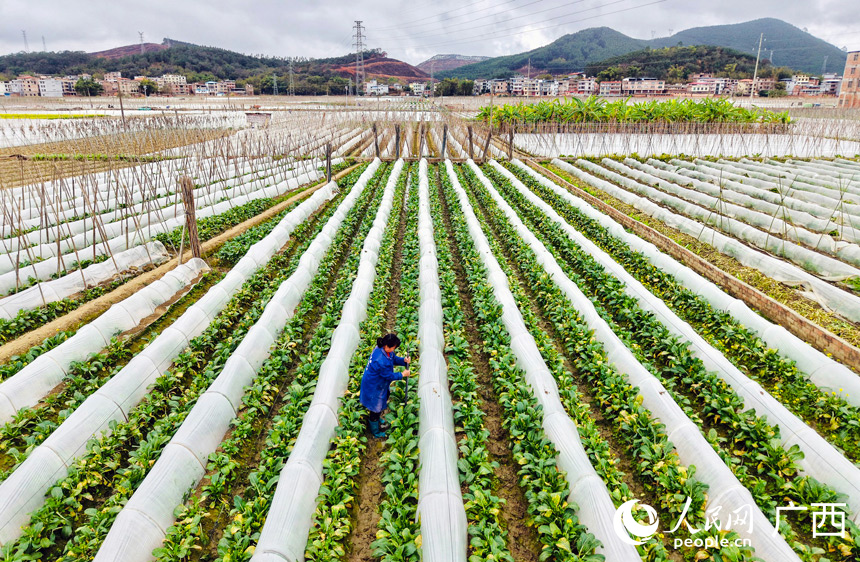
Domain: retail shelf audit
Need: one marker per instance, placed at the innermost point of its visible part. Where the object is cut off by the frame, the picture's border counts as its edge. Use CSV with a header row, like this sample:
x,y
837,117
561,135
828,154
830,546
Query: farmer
x,y
378,375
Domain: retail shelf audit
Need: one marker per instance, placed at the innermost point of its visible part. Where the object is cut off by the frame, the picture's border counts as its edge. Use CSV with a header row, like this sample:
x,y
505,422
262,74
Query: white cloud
x,y
407,30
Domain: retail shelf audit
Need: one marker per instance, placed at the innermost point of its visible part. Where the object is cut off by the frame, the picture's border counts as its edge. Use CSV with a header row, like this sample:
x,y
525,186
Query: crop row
x,y
151,425
828,413
760,463
272,409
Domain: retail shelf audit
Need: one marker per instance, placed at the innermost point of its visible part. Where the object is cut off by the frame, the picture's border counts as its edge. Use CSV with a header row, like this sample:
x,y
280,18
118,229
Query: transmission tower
x,y
274,84
26,45
44,46
292,90
824,67
359,56
140,33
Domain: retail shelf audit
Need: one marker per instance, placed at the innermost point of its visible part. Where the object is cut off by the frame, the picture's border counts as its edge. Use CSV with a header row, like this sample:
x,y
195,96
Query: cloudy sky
x,y
408,30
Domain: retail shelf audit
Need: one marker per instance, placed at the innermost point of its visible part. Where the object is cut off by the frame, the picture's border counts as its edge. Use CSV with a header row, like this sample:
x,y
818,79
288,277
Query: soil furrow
x,y
522,539
625,461
369,480
214,523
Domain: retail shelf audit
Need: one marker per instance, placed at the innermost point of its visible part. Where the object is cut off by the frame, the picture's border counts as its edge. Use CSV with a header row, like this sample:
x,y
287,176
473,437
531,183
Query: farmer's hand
x,y
406,374
407,359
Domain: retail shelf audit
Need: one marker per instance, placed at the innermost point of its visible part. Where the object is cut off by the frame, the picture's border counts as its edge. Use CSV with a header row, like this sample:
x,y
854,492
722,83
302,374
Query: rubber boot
x,y
375,429
383,424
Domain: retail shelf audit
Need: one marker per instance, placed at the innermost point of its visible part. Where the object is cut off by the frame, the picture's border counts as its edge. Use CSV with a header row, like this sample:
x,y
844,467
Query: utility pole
x,y
755,73
359,55
26,45
142,48
529,73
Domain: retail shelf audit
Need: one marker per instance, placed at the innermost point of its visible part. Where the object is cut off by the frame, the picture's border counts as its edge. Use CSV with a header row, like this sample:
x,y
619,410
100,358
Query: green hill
x,y
200,63
677,64
569,53
792,47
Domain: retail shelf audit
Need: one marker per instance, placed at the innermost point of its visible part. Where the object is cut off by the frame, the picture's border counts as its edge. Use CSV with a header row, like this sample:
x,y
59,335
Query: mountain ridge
x,y
202,63
792,47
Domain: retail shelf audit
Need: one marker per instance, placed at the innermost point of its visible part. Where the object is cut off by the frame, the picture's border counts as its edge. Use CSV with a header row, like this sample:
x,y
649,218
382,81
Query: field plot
x,y
578,392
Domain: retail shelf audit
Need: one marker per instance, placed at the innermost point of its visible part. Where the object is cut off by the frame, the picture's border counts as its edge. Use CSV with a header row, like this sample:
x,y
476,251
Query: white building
x,y
547,87
831,84
703,88
481,87
373,88
4,89
50,87
418,88
586,87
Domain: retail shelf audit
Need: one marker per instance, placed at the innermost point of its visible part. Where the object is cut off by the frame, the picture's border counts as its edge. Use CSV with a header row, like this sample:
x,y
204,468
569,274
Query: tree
x,y
676,74
148,86
88,87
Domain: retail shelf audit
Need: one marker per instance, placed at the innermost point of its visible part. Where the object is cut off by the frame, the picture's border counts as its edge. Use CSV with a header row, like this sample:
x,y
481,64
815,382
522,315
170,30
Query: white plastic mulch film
x,y
587,489
47,292
285,533
752,194
23,491
29,385
818,289
798,226
81,237
440,503
810,260
821,460
822,370
724,489
142,524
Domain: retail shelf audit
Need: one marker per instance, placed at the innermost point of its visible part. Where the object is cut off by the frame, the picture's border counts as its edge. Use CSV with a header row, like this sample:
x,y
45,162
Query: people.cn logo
x,y
624,523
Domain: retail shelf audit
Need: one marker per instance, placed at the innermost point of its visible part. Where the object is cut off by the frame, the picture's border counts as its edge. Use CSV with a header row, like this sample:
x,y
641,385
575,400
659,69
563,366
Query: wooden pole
x,y
397,140
511,144
487,146
444,139
376,140
471,151
421,140
190,220
328,162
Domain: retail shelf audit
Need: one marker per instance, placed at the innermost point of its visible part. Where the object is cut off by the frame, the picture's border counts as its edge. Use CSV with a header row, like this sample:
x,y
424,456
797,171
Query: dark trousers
x,y
373,416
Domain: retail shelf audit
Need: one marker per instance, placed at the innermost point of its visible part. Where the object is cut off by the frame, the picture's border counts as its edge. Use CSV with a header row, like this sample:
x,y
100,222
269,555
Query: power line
x,y
414,23
447,27
498,36
492,24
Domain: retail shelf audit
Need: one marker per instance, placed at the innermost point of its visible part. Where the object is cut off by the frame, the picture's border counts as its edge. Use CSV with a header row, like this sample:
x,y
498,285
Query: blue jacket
x,y
378,375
